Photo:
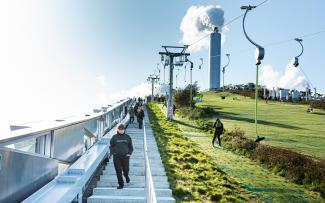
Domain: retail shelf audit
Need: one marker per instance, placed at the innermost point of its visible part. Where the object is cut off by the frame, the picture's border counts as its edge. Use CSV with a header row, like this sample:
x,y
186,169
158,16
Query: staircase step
x,y
136,168
134,178
112,181
136,172
125,199
158,185
130,192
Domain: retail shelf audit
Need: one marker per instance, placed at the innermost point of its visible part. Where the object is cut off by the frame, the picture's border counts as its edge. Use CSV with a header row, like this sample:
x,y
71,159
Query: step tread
x,y
126,197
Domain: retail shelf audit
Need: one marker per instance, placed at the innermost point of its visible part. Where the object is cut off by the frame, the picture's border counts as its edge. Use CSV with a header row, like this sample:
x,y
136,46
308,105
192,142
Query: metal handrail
x,y
38,131
151,194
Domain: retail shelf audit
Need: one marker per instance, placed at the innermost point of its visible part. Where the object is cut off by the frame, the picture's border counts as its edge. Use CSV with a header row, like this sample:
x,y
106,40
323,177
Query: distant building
x,y
283,94
295,95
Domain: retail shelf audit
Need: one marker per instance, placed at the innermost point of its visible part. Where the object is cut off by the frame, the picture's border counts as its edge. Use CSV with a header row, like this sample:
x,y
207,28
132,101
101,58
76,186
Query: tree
x,y
182,96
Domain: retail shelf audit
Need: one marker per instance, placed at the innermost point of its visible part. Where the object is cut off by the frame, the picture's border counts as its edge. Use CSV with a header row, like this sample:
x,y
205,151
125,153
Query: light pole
x,y
259,55
158,70
191,89
223,72
191,81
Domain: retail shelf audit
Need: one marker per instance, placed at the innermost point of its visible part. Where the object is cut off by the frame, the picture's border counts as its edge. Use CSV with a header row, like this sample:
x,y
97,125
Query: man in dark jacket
x,y
218,130
140,116
121,147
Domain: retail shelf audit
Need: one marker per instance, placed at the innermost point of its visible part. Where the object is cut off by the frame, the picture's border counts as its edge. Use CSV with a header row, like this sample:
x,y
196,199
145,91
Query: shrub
x,y
196,112
182,96
297,167
318,104
248,93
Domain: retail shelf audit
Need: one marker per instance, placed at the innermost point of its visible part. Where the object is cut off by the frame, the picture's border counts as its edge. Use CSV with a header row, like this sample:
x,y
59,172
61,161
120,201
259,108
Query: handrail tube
x,y
150,193
31,133
71,183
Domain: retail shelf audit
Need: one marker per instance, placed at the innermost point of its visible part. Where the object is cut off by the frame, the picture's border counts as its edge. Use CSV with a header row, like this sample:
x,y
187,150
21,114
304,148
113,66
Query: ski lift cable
x,y
277,42
303,72
289,40
261,3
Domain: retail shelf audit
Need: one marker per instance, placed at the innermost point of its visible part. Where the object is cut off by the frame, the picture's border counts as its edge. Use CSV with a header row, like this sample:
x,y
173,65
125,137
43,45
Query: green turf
x,y
266,185
194,177
283,124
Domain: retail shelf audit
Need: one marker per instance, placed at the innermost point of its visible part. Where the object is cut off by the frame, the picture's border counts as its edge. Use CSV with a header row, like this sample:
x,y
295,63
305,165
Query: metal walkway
x,y
137,190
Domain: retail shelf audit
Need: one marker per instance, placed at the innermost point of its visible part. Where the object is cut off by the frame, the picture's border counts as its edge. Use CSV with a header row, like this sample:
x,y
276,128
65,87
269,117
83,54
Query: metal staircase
x,y
142,173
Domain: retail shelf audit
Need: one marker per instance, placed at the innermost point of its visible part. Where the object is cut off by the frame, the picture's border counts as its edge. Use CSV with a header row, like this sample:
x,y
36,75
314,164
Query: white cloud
x,y
291,78
140,90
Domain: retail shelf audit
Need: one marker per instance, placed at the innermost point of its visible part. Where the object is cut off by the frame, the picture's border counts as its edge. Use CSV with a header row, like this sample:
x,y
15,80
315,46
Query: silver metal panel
x,y
47,147
111,118
34,131
22,174
69,142
92,126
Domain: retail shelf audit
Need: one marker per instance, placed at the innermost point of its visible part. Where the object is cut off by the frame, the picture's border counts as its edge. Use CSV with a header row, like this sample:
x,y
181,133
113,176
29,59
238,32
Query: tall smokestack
x,y
215,49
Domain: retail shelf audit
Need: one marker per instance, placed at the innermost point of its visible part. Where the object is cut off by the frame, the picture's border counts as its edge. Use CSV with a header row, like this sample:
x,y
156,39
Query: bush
x,y
182,96
297,167
249,93
196,112
318,104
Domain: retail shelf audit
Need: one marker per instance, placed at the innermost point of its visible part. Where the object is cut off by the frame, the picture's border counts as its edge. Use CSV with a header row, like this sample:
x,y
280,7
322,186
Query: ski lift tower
x,y
153,79
172,56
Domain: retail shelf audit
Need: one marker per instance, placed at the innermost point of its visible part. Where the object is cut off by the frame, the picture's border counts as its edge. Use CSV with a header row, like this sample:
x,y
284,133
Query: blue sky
x,y
126,35
66,57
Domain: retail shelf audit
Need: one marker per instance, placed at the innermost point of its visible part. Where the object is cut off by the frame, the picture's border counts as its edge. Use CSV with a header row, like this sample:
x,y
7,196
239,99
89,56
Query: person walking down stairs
x,y
131,112
121,147
140,116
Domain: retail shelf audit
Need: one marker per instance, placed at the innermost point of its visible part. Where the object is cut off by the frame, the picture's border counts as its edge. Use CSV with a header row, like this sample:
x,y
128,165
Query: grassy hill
x,y
283,124
193,175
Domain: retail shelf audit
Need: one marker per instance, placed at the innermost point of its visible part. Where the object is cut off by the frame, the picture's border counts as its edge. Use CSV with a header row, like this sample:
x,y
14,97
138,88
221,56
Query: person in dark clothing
x,y
140,116
131,113
174,109
218,130
258,139
135,110
121,147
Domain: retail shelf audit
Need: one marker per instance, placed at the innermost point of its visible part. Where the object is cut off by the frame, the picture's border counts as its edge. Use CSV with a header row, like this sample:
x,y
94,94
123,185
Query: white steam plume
x,y
290,79
198,22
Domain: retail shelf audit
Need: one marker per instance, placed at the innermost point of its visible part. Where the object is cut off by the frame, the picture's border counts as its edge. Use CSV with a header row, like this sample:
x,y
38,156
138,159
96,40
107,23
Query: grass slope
x,y
283,124
268,186
193,175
